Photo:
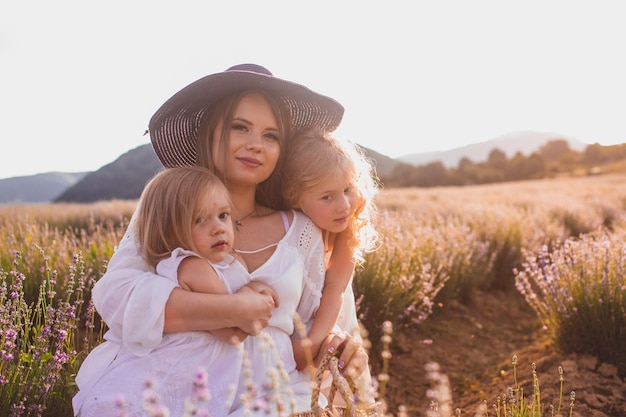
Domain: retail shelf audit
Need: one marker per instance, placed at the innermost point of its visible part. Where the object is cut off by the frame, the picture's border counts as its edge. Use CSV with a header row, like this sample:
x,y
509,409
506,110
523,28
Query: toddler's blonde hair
x,y
168,208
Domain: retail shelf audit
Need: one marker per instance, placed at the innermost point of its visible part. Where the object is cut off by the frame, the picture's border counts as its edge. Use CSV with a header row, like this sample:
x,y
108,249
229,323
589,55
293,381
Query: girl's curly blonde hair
x,y
314,156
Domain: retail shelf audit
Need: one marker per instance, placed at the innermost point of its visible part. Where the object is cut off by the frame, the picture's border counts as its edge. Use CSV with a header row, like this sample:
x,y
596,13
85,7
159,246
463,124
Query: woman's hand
x,y
353,359
263,288
256,309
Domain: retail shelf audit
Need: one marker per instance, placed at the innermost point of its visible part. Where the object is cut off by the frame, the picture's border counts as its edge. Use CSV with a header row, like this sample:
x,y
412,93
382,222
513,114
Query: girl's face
x,y
253,143
330,204
212,232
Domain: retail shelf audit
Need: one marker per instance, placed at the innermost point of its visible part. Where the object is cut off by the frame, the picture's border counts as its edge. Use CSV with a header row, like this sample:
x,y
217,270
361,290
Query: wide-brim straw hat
x,y
174,127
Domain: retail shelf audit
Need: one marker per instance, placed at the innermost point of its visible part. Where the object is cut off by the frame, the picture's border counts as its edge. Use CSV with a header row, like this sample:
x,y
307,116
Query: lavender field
x,y
559,243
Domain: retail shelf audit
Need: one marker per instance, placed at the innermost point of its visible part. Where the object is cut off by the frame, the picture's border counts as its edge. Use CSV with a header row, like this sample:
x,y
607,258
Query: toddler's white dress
x,y
113,375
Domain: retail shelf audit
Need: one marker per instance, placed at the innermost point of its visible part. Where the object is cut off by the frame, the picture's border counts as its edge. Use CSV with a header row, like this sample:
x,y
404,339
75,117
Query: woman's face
x,y
253,143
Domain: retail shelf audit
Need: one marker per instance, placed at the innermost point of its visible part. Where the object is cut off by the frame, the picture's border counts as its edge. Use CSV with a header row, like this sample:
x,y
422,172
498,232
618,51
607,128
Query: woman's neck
x,y
243,200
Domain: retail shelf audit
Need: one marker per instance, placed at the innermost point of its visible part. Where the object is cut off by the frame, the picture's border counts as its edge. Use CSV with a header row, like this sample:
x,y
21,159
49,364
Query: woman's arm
x,y
338,275
191,311
138,305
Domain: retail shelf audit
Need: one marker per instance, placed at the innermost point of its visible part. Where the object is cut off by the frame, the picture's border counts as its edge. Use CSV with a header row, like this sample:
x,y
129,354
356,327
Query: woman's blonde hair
x,y
168,208
313,157
269,191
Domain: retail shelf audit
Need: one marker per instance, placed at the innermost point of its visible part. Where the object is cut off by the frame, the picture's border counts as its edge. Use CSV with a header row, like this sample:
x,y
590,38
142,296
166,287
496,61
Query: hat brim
x,y
174,127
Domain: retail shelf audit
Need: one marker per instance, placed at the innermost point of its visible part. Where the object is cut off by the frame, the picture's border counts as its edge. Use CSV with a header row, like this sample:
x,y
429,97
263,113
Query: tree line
x,y
554,158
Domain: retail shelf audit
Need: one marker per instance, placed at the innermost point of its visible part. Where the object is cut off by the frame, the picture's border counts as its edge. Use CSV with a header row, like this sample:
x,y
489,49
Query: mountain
x,y
40,188
525,142
384,165
122,179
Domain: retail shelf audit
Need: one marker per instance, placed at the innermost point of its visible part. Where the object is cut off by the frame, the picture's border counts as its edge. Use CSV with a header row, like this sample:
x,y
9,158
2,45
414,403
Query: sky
x,y
79,80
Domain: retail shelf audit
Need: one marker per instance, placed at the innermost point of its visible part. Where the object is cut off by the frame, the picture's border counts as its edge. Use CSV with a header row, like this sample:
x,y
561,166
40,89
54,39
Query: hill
x,y
122,179
384,165
40,188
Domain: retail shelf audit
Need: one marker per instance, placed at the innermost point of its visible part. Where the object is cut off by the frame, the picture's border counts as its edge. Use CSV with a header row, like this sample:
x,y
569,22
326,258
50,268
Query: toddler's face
x,y
213,232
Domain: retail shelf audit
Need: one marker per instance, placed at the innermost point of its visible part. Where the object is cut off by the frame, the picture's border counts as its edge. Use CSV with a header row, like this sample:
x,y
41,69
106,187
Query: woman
x,y
234,123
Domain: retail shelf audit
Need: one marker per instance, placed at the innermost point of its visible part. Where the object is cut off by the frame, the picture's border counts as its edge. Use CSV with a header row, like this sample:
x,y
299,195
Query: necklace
x,y
238,222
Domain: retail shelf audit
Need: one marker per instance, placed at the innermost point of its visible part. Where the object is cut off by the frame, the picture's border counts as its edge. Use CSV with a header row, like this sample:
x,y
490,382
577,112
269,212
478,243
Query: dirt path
x,y
474,346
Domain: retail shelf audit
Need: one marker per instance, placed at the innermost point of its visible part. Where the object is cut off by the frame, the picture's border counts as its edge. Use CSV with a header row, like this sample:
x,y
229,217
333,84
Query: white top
x,y
131,300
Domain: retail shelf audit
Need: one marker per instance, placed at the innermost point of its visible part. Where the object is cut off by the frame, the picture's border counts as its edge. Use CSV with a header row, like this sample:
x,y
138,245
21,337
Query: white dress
x,y
131,300
113,371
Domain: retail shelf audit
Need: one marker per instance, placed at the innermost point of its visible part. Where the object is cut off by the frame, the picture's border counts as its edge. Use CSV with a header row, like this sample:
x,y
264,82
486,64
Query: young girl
x,y
333,183
183,213
186,212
